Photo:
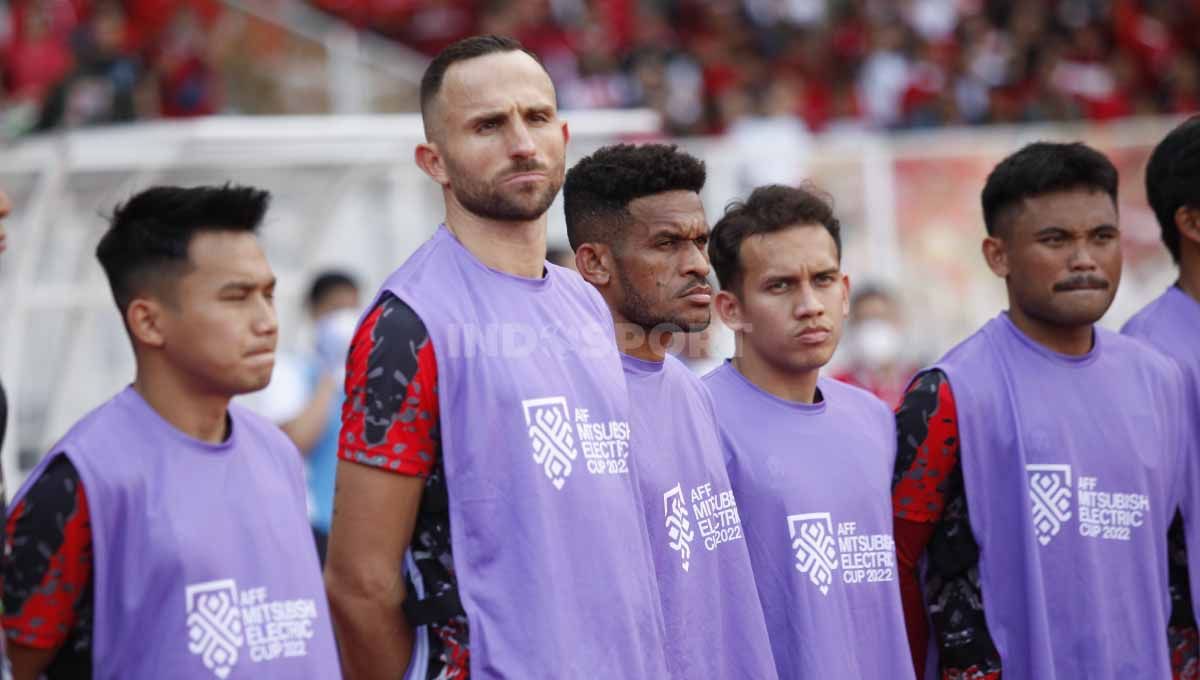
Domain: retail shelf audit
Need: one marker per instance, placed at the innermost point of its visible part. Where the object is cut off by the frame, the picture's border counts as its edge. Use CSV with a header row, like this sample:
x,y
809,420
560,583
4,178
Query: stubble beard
x,y
638,310
489,202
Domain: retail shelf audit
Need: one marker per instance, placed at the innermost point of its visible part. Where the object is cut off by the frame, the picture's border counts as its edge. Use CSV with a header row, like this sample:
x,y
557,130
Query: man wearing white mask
x,y
875,340
305,395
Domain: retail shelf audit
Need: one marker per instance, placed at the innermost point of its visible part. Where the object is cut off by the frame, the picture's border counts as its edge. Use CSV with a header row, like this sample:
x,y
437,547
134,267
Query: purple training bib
x,y
813,482
714,622
1070,466
205,565
550,548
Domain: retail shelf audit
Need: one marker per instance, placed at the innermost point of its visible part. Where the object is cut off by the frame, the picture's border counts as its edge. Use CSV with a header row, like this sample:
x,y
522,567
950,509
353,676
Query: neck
x,y
640,343
1073,341
196,414
800,387
1189,272
517,248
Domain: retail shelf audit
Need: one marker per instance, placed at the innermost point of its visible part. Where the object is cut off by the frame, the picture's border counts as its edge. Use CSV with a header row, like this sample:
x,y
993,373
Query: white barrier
x,y
347,194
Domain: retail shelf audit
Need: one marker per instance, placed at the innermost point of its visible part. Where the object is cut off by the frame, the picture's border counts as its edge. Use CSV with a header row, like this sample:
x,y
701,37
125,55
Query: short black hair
x,y
467,48
326,282
598,190
1173,179
149,235
1043,168
769,209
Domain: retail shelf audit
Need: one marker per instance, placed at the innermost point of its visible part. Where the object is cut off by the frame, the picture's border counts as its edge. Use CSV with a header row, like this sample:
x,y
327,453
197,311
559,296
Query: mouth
x,y
261,356
699,295
524,177
813,336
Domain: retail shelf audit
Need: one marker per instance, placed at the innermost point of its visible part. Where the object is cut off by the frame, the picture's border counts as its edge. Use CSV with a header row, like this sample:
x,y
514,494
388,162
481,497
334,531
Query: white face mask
x,y
876,342
334,331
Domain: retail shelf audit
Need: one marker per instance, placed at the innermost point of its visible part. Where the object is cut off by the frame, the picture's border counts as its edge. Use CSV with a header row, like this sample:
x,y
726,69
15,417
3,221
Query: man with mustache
x,y
1040,459
485,518
165,535
810,458
1172,324
636,222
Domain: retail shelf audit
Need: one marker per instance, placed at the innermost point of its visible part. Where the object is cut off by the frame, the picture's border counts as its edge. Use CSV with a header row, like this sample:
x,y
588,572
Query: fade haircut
x,y
1043,168
148,236
325,283
769,209
599,189
467,48
1173,179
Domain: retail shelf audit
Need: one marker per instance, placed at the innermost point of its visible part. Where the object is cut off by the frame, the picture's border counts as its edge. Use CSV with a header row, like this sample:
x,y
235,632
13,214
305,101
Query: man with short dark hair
x,y
810,458
165,534
637,225
486,521
1171,323
1070,439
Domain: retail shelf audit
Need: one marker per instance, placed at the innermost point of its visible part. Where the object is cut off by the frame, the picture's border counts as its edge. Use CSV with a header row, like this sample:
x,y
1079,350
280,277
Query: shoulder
x,y
390,316
855,399
1138,351
425,263
575,286
976,346
1148,319
91,433
248,422
680,373
717,379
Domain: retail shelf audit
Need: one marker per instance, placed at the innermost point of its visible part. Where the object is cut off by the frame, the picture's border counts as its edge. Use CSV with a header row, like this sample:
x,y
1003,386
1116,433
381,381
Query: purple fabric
x,y
714,623
1171,323
813,483
550,548
1070,465
205,565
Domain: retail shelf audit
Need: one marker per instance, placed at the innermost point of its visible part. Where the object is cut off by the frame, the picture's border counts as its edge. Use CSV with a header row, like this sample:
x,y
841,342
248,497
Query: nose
x,y
808,305
1082,258
266,321
696,263
520,142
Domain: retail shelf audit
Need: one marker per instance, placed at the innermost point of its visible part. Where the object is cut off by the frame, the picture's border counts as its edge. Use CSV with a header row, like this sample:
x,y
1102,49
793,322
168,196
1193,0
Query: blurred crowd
x,y
80,62
709,66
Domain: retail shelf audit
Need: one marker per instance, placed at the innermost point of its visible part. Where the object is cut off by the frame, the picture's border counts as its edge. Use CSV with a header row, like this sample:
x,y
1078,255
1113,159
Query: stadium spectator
x,y
704,65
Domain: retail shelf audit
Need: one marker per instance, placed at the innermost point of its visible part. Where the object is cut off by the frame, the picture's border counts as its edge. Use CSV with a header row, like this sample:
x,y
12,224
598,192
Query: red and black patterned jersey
x,y
390,421
47,571
930,507
929,503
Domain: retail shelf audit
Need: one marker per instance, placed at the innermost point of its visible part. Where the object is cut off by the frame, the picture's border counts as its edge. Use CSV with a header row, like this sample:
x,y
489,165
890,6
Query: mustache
x,y
525,165
692,286
1082,282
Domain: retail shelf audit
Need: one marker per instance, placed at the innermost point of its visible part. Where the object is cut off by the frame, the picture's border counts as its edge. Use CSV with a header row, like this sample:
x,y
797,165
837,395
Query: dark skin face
x,y
662,264
1060,257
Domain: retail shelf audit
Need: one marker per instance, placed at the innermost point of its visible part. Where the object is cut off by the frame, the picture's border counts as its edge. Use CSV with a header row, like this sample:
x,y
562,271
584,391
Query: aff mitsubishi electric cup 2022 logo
x,y
820,551
679,530
221,620
559,434
1098,514
702,514
812,542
